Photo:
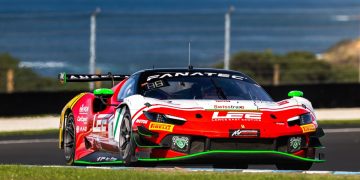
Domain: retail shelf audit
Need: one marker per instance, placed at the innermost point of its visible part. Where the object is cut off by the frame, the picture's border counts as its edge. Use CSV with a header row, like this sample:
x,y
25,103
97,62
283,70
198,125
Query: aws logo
x,y
236,116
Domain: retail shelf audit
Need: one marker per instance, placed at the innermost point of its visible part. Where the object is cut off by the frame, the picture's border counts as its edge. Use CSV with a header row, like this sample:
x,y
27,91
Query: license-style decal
x,y
233,133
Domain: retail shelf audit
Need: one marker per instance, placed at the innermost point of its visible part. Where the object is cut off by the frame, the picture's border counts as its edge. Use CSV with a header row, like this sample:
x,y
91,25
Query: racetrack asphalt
x,y
341,152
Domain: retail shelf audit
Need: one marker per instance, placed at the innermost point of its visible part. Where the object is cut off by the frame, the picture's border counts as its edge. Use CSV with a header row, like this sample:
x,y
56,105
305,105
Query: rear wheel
x,y
126,142
294,166
69,139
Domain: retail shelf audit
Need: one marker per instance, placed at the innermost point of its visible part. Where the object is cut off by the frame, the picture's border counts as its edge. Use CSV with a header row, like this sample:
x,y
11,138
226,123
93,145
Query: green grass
x,y
40,173
29,133
339,122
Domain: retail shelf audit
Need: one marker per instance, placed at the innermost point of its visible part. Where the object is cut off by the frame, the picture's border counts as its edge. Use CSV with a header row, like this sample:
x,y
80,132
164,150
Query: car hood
x,y
138,102
225,105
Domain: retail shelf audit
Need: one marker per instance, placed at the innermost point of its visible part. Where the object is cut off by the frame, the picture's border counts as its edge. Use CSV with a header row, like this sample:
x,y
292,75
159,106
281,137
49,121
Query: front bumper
x,y
269,150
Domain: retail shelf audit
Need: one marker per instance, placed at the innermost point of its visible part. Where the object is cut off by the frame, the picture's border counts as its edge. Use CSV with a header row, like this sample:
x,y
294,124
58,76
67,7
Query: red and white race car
x,y
203,116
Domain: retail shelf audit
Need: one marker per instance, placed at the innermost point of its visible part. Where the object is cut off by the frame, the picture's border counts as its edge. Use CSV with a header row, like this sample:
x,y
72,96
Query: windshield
x,y
203,88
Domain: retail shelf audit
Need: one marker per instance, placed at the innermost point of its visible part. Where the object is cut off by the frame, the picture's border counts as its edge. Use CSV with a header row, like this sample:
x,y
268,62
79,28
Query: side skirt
x,y
264,156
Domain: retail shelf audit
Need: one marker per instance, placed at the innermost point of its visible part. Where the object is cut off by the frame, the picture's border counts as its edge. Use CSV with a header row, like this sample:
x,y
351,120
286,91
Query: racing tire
x,y
294,166
69,139
126,141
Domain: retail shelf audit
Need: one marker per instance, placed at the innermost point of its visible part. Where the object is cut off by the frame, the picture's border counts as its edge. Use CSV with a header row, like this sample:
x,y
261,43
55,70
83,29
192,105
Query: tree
x,y
25,79
295,67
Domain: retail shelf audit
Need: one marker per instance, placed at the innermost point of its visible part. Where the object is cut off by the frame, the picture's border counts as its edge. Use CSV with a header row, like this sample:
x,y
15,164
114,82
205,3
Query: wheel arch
x,y
64,113
118,119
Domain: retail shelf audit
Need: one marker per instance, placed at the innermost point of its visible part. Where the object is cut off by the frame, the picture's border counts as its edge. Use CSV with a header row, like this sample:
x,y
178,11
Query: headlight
x,y
164,118
305,119
300,120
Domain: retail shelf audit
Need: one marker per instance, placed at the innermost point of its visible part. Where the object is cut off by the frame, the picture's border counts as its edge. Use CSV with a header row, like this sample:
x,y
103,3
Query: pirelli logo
x,y
308,128
161,127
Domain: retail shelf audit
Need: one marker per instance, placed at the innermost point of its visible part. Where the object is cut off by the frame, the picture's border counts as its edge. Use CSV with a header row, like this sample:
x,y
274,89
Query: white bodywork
x,y
137,102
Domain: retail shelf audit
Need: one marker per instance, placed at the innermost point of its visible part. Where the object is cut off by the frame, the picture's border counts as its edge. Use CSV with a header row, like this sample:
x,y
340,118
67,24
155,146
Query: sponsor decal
x,y
222,100
227,107
156,84
201,74
295,142
180,143
282,102
100,122
82,119
102,159
236,116
308,128
244,133
161,126
83,109
94,76
141,121
80,129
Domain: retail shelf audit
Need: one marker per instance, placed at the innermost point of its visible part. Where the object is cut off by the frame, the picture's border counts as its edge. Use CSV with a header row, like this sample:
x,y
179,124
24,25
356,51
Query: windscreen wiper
x,y
219,91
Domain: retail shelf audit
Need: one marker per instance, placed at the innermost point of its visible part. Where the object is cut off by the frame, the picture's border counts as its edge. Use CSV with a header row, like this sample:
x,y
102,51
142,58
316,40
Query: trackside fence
x,y
321,96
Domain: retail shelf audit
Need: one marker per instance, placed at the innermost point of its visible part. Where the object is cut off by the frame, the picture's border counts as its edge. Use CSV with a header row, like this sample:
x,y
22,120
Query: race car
x,y
187,115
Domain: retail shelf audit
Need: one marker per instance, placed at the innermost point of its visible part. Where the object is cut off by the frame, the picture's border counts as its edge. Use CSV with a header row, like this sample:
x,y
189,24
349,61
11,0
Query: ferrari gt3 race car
x,y
202,116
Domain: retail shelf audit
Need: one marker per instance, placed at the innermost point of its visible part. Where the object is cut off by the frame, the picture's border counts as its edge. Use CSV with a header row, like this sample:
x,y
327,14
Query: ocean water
x,y
52,36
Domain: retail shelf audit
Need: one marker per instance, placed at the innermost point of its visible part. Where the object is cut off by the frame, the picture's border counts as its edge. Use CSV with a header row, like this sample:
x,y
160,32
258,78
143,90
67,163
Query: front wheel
x,y
69,139
126,142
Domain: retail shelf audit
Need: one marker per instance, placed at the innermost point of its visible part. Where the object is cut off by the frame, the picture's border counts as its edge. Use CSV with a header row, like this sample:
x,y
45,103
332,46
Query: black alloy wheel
x,y
126,142
69,139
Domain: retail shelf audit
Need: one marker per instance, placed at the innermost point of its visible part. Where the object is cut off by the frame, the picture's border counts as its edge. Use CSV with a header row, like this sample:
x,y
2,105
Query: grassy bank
x,y
39,173
339,122
29,133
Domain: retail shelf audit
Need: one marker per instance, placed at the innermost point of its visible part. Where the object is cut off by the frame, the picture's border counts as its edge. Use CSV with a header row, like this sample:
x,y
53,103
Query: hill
x,y
346,52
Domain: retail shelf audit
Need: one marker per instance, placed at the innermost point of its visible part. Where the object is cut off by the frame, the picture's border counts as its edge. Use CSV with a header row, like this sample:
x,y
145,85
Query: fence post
x,y
276,75
10,81
98,83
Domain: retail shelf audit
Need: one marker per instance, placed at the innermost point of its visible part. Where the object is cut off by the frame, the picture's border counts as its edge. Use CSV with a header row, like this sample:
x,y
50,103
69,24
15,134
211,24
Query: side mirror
x,y
103,92
295,94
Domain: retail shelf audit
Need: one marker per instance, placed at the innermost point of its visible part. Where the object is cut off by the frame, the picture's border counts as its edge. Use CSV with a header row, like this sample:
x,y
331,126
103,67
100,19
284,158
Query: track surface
x,y
342,152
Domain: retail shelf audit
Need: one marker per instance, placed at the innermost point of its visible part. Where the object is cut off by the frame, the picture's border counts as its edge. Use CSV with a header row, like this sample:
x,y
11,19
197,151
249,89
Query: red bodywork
x,y
263,126
272,125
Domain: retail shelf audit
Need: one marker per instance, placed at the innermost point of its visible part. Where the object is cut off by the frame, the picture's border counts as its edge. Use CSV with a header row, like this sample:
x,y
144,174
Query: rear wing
x,y
64,78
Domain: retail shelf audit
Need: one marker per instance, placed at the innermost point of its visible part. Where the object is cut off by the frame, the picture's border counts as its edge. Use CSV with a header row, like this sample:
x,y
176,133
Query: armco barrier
x,y
33,103
321,96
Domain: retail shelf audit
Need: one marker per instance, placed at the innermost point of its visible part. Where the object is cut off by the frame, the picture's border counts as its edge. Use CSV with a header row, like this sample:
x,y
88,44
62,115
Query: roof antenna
x,y
190,66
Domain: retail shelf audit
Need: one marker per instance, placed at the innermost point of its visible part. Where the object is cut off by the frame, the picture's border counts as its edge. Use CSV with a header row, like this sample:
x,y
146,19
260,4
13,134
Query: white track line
x,y
209,170
342,130
28,141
